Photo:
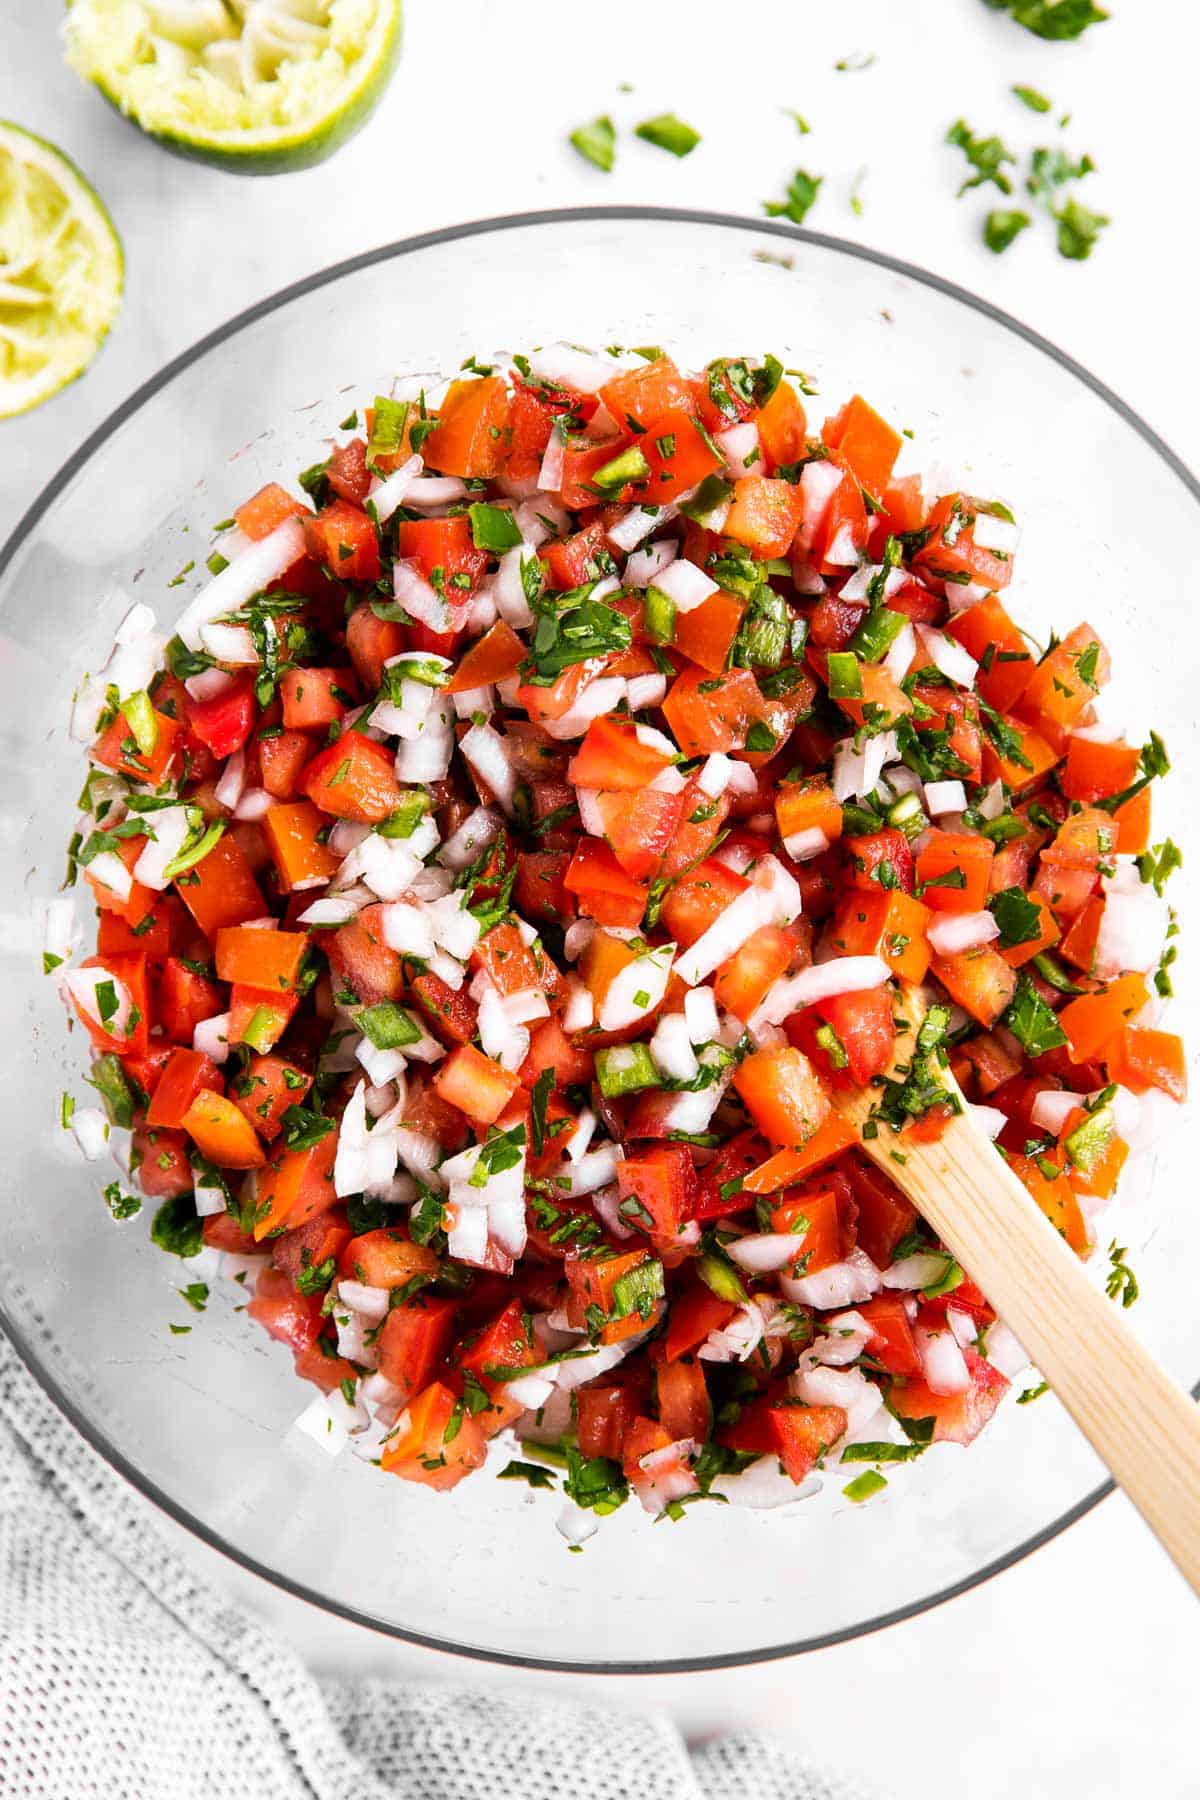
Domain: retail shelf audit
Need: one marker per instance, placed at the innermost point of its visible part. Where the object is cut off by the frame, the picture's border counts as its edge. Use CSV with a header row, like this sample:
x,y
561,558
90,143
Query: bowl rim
x,y
31,1356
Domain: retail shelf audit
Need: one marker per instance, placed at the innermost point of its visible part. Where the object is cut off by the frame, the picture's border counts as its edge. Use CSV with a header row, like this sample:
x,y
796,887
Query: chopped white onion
x,y
901,652
247,575
636,989
762,1252
947,656
389,493
418,598
685,584
802,846
671,1048
646,691
464,845
645,566
840,975
732,928
953,934
487,753
841,1284
110,871
89,1127
924,1268
428,491
211,1037
634,526
945,797
942,1361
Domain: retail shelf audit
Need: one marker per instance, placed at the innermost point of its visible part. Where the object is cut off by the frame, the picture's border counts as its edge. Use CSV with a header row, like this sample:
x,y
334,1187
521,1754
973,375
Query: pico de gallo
x,y
515,849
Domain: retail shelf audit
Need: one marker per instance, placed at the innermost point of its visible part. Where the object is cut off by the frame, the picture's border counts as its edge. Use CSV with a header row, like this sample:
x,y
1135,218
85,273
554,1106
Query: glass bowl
x,y
200,1422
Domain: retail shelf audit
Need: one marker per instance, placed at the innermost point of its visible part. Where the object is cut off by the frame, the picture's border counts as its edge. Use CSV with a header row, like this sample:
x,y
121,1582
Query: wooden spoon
x,y
1135,1417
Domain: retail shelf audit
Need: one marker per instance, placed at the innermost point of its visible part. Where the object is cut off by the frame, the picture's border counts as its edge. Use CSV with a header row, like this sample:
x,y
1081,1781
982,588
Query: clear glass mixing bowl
x,y
199,1423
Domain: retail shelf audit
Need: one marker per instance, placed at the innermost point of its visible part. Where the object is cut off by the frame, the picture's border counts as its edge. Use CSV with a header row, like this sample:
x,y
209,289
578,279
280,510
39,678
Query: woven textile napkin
x,y
123,1677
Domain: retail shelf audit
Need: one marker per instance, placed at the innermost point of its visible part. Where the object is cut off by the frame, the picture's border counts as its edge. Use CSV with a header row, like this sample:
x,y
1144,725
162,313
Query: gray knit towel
x,y
123,1677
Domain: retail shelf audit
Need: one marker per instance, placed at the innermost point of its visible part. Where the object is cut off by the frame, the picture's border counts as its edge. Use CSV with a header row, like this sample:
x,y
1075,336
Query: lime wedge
x,y
61,271
256,86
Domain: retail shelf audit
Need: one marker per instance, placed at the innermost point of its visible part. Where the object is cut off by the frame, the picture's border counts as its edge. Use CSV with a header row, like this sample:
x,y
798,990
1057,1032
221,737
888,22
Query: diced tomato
x,y
951,553
265,511
266,959
741,983
988,634
186,1072
680,454
682,1395
891,1343
1067,680
603,889
1093,1020
596,1283
828,1141
117,748
783,1094
979,980
221,889
781,428
639,828
415,1339
370,641
160,1159
708,713
869,445
293,1318
798,1435
865,1028
882,859
604,1416
891,925
437,1441
613,756
953,869
957,1418
1140,1059
223,723
706,634
475,1084
266,1088
657,1186
451,1012
296,835
495,657
295,1186
468,439
342,538
353,778
645,394
764,515
258,1016
444,552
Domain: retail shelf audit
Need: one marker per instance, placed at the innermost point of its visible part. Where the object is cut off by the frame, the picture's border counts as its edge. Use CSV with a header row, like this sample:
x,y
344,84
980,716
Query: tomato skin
x,y
869,445
347,473
870,858
223,723
798,1435
604,890
353,778
468,439
293,1318
415,1339
612,756
164,1170
259,516
605,1415
445,545
866,1028
342,539
659,1183
370,641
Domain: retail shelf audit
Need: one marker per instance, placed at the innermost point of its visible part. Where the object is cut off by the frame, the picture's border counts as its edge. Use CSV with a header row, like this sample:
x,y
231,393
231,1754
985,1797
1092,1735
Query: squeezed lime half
x,y
255,86
61,271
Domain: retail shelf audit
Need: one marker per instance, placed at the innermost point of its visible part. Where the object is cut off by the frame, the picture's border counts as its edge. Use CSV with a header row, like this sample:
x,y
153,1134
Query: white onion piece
x,y
685,584
738,446
228,790
598,1169
763,1252
230,644
1005,1351
636,989
209,683
565,365
634,526
59,932
942,1361
464,845
900,653
427,491
952,934
859,1398
947,656
802,846
858,586
840,975
645,566
1132,934
745,915
82,985
426,759
550,474
945,797
110,871
579,1012
388,494
989,1119
488,756
171,829
819,482
844,1339
89,1127
255,804
329,1420
856,772
700,1012
371,1302
843,551
992,532
406,929
841,1284
453,926
247,575
671,1048
417,597
210,1037
505,1042
924,1268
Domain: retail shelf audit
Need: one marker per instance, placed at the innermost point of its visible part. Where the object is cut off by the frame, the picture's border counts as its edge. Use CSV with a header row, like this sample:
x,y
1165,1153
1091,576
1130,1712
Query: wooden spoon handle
x,y
1145,1427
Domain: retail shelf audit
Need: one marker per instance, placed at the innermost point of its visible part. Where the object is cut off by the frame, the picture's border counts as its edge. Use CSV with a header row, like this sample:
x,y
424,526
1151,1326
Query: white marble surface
x,y
1071,1675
